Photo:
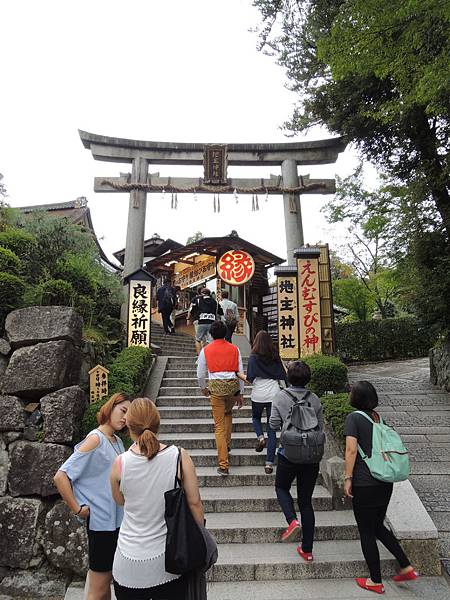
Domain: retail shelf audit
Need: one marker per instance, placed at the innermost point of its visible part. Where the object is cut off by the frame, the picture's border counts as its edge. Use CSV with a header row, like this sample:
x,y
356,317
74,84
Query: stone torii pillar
x,y
134,247
292,209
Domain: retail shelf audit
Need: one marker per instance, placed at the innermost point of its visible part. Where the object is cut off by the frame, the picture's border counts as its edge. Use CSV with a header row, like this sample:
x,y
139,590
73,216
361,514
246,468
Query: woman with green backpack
x,y
374,458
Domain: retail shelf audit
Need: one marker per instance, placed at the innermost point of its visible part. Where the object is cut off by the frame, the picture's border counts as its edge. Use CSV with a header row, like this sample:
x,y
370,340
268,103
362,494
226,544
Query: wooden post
x,y
98,383
287,313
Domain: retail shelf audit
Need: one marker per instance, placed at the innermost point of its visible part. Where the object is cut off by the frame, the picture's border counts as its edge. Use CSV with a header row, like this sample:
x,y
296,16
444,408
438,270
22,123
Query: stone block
x,y
33,585
38,370
65,541
36,324
62,412
19,520
3,364
5,347
32,467
4,467
12,414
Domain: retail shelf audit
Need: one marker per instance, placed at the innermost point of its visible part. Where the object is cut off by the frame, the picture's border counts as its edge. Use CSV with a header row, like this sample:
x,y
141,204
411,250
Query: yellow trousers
x,y
222,407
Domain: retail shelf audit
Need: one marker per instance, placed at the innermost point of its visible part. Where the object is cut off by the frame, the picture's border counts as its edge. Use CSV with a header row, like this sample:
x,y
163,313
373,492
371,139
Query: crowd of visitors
x,y
121,494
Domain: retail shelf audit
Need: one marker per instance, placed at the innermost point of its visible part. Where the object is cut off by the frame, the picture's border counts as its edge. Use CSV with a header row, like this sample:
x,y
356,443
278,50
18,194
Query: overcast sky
x,y
168,70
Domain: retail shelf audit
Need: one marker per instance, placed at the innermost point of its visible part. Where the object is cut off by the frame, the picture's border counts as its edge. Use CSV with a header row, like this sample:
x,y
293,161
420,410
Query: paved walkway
x,y
421,414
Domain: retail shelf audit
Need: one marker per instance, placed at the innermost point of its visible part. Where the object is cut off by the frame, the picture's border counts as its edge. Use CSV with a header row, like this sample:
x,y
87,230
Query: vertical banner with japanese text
x,y
139,313
309,304
288,324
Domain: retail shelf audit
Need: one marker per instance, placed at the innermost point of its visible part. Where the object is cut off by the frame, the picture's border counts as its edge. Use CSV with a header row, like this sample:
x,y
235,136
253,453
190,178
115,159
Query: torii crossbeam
x,y
215,159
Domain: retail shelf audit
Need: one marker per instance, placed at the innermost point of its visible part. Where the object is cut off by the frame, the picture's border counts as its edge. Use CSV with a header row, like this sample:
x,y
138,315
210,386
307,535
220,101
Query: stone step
x,y
199,412
199,400
244,457
207,440
268,562
186,363
201,425
262,498
188,391
267,527
170,343
239,476
176,353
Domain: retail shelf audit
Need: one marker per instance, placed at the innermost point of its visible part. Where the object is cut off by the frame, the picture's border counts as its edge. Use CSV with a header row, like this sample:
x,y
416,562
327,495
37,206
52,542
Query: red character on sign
x,y
236,267
311,338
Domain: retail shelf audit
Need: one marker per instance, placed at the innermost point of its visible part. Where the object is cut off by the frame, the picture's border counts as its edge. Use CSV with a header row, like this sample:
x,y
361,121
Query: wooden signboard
x,y
288,320
98,383
139,316
198,272
215,164
309,305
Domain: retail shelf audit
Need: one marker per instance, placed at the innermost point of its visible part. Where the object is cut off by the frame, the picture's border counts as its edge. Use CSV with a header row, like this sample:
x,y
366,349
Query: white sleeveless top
x,y
139,561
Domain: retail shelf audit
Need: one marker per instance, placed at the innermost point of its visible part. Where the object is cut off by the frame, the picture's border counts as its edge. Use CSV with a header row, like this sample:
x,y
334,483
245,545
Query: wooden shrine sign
x,y
288,320
139,308
215,164
98,383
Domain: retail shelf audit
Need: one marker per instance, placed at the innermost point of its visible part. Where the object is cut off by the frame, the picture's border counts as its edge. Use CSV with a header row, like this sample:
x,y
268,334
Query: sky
x,y
170,70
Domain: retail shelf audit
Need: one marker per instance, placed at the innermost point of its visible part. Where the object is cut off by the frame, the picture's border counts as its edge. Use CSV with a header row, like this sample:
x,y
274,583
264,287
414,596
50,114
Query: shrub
x,y
328,373
18,241
9,261
335,410
127,373
383,339
57,292
11,293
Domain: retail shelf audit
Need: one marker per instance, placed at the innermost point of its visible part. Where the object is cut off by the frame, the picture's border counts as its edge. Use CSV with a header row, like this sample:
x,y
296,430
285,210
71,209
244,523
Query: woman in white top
x,y
139,479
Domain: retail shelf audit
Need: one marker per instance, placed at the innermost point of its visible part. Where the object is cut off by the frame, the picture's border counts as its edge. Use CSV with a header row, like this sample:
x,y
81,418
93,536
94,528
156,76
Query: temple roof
x,y
77,212
153,247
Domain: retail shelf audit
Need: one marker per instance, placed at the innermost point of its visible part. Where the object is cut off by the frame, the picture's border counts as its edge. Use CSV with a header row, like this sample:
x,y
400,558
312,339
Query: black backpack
x,y
301,437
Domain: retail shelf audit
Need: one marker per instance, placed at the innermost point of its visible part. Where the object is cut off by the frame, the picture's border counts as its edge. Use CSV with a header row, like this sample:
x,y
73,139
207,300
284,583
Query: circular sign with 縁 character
x,y
236,267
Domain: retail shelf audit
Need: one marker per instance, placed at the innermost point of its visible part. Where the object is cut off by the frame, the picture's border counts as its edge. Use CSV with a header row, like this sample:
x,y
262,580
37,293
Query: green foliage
x,y
20,242
56,292
376,72
77,269
11,293
384,339
328,374
336,407
353,295
198,235
127,373
9,261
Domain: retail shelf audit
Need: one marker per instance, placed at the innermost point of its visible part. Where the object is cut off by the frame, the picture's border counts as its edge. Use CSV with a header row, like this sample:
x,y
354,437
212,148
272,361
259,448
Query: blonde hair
x,y
143,422
104,414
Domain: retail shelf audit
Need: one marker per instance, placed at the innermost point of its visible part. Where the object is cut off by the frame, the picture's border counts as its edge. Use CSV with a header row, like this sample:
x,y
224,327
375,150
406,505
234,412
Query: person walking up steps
x,y
166,297
266,372
205,310
370,496
219,362
231,315
298,376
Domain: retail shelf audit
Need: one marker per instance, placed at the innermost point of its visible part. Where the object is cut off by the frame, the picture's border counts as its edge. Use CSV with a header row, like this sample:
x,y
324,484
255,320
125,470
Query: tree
x,y
376,72
352,294
194,238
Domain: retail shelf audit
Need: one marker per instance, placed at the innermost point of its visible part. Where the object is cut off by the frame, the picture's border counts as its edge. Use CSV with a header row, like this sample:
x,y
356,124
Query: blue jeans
x,y
257,411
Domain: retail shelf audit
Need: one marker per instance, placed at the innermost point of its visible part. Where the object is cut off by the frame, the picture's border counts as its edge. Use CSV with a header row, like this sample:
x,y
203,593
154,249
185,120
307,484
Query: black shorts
x,y
174,590
102,546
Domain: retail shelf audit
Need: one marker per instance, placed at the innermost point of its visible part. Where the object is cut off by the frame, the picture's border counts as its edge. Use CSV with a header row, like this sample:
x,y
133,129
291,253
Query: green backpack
x,y
389,461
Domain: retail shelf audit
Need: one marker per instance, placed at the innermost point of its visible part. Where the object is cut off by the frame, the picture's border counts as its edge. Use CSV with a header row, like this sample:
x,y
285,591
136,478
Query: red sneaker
x,y
409,576
293,527
378,588
305,555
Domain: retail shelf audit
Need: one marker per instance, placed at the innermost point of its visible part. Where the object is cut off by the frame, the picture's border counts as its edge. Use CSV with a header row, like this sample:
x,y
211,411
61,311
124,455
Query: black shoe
x,y
260,445
223,472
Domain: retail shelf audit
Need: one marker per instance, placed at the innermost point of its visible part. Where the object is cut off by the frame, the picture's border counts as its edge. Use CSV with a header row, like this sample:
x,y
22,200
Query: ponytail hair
x,y
143,422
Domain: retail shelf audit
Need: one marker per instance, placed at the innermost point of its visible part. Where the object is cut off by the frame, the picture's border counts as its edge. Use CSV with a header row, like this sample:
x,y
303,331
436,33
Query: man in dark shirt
x,y
166,297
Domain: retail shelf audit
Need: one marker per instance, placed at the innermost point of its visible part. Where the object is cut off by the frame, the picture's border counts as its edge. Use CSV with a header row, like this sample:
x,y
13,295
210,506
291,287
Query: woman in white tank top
x,y
139,479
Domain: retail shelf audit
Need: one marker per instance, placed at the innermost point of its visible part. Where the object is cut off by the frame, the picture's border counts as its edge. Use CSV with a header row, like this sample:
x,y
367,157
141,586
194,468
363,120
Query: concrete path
x,y
421,414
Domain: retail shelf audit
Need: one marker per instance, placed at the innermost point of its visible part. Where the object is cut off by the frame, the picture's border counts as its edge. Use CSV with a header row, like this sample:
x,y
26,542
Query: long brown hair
x,y
143,422
264,347
104,414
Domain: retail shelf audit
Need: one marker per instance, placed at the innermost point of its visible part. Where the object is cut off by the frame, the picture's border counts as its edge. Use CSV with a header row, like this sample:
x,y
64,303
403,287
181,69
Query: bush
x,y
328,373
11,293
18,241
335,410
57,292
127,373
383,339
9,262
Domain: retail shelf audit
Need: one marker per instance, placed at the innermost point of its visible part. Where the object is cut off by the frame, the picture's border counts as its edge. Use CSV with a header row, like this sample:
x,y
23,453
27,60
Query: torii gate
x,y
214,158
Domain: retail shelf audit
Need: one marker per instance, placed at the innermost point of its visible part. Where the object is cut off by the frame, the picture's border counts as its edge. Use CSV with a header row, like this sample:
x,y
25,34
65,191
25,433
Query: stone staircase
x,y
177,344
242,511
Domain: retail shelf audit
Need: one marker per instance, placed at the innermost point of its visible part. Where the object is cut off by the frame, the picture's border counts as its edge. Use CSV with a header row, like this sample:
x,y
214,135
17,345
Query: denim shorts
x,y
203,332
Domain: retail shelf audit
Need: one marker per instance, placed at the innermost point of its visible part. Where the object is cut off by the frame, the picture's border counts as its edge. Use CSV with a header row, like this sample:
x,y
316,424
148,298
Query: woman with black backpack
x,y
297,461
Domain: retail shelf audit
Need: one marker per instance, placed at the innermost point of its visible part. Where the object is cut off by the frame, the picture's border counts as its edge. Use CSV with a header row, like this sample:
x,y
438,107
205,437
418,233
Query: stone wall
x,y
41,406
440,366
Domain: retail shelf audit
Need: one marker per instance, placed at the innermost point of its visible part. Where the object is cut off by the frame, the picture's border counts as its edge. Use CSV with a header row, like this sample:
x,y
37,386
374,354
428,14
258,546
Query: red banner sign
x,y
236,267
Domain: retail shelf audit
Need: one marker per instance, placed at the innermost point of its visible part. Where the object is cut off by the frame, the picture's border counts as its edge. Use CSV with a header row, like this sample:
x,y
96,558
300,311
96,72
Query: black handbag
x,y
185,544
